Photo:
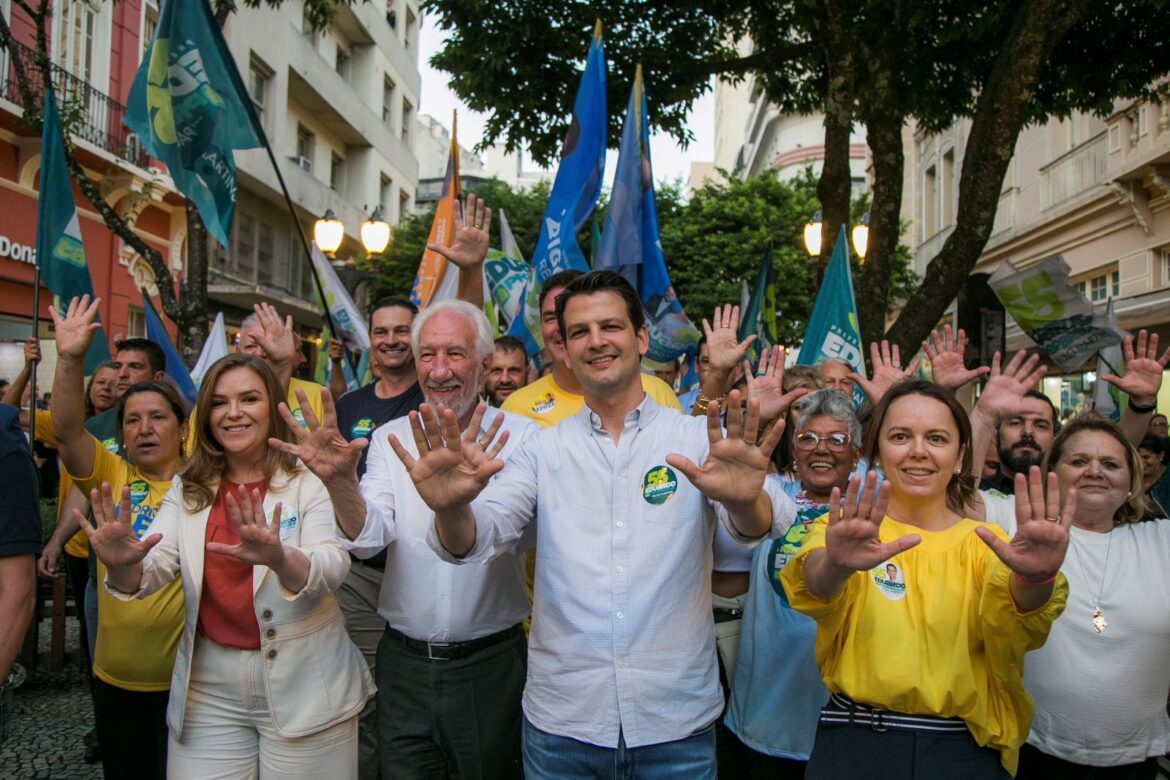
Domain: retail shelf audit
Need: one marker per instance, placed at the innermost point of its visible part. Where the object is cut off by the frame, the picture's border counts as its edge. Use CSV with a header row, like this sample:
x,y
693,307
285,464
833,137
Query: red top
x,y
226,613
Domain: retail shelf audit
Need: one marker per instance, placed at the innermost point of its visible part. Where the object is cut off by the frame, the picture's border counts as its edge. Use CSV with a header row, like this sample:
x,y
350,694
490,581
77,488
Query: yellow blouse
x,y
932,631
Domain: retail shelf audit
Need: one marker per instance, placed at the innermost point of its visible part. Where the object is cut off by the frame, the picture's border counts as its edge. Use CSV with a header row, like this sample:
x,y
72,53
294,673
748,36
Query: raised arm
x,y
468,248
724,353
337,384
945,353
1142,381
887,371
74,332
32,356
766,385
1000,398
277,341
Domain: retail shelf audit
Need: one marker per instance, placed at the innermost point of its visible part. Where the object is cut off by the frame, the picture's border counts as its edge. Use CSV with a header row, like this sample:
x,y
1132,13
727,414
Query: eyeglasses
x,y
836,442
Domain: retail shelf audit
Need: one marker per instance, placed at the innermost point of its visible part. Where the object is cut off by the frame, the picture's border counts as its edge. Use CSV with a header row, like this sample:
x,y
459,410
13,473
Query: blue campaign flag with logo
x,y
573,196
176,370
190,109
759,314
60,254
630,243
833,330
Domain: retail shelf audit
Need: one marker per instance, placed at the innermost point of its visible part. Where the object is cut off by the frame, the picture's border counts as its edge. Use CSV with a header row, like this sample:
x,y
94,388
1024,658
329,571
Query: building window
x,y
930,203
135,322
948,188
1102,287
245,255
403,204
387,101
385,192
259,76
149,24
76,24
265,253
341,63
407,122
391,15
1114,138
305,143
307,28
411,27
336,172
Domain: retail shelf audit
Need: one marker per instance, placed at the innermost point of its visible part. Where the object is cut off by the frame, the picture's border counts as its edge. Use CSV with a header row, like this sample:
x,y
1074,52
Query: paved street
x,y
52,714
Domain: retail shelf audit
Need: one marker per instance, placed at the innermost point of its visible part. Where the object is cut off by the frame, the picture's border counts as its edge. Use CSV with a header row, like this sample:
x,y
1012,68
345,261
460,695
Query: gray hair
x,y
484,343
830,402
251,319
837,360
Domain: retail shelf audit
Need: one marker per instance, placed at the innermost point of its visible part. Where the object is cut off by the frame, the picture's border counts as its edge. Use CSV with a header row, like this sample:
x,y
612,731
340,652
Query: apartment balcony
x,y
98,116
1074,173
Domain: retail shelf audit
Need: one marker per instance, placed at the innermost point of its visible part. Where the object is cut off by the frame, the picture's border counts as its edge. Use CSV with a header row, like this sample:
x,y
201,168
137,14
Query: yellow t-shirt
x,y
312,392
547,403
137,640
932,631
78,544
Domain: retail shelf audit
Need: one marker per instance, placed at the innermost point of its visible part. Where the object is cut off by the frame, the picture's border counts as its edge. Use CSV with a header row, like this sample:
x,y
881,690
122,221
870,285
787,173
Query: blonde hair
x,y
203,470
1136,504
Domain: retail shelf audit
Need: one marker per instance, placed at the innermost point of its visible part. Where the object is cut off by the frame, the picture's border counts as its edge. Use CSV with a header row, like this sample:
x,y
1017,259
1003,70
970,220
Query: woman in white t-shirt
x,y
1100,682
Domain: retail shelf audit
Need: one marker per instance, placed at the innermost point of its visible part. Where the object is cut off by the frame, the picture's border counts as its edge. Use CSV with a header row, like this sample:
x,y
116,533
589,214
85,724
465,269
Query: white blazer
x,y
314,676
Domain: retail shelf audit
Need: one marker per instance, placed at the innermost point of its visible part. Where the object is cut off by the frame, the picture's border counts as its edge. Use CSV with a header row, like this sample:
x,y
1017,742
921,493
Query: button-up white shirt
x,y
622,638
422,596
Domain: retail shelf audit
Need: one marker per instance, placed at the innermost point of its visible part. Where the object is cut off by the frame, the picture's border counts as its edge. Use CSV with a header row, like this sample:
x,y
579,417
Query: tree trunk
x,y
192,320
999,117
836,183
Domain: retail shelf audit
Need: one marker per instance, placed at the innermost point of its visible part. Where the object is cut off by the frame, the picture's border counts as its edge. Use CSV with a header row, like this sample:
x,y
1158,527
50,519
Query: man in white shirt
x,y
451,664
622,678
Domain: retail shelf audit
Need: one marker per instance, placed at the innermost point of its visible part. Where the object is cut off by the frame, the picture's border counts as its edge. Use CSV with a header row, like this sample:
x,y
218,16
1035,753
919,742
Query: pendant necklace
x,y
1099,624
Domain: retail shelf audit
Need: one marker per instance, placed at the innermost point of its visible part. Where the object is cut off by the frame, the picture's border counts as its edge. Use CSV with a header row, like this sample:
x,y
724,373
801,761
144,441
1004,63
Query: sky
x,y
669,160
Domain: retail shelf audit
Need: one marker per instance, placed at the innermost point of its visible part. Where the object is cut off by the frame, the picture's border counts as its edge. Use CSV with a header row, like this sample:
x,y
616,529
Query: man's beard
x,y
1017,460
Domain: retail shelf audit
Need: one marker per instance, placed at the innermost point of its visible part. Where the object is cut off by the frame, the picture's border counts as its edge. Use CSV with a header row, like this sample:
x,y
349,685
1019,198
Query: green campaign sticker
x,y
659,485
362,428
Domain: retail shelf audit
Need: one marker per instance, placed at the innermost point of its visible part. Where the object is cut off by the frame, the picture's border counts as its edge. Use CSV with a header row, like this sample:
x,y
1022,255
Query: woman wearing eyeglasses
x,y
777,693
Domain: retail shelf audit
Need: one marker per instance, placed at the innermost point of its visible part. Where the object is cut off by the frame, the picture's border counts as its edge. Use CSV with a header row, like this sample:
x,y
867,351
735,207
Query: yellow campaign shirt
x,y
78,544
137,640
547,403
932,631
312,392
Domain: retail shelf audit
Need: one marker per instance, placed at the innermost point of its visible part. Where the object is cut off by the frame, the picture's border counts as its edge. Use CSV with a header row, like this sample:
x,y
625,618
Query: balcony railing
x,y
1077,171
100,116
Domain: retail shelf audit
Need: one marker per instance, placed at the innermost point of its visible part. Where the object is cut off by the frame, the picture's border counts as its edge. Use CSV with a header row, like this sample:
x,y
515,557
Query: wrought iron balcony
x,y
89,114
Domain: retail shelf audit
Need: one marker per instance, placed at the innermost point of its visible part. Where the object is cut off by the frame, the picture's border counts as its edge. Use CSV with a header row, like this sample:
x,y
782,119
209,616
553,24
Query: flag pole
x,y
32,379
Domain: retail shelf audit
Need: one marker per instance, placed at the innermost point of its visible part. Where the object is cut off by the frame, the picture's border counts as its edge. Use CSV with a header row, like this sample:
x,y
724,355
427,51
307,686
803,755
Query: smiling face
x,y
836,376
1095,463
103,390
390,338
549,330
239,416
918,447
448,365
604,350
507,374
151,432
824,467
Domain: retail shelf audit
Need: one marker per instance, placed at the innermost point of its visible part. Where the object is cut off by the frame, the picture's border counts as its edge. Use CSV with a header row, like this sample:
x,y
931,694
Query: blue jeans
x,y
549,757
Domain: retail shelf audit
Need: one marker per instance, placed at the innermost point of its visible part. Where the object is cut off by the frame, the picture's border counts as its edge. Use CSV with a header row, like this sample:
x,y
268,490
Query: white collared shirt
x,y
422,596
622,638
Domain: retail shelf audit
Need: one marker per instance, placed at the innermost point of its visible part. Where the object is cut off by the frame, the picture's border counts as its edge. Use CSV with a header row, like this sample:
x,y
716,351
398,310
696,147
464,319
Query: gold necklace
x,y
1099,624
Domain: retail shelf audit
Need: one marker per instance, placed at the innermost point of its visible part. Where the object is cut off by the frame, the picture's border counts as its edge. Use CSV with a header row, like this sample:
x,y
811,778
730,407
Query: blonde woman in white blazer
x,y
266,683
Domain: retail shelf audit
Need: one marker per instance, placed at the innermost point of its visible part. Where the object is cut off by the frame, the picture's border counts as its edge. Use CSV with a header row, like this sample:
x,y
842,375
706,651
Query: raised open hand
x,y
1143,369
766,385
733,473
1037,550
887,371
1005,388
469,234
259,542
451,468
852,539
277,338
945,354
74,332
112,536
724,349
320,445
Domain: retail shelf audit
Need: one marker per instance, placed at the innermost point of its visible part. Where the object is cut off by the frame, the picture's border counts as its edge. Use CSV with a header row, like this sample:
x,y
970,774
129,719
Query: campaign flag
x,y
1106,397
759,315
189,108
630,243
573,195
175,369
323,371
435,281
508,243
1053,312
833,330
505,275
60,253
214,348
351,326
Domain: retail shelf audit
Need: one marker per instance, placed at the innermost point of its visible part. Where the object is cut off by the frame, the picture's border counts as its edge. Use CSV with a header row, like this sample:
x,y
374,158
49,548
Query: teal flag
x,y
60,254
759,315
833,331
189,108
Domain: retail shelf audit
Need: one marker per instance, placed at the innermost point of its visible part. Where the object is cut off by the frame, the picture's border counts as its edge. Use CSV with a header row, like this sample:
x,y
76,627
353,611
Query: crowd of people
x,y
467,570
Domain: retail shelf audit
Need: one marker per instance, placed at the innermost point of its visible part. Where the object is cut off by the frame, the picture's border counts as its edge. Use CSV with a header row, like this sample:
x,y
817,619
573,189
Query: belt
x,y
843,711
452,651
726,615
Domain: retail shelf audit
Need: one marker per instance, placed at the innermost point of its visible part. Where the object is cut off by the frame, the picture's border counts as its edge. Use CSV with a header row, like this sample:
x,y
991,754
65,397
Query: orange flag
x,y
435,281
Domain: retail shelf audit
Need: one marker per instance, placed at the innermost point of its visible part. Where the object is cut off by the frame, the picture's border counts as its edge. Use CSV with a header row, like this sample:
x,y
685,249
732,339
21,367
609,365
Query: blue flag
x,y
176,370
189,108
833,331
630,244
759,315
573,196
60,253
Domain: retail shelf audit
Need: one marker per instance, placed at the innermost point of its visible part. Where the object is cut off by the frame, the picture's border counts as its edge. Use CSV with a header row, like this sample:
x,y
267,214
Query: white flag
x,y
214,348
348,323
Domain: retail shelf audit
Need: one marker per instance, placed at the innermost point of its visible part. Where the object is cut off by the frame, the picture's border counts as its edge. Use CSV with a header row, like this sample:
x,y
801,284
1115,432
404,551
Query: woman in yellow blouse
x,y
924,616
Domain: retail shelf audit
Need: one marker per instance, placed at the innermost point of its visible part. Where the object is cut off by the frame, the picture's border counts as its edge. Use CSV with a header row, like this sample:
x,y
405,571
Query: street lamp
x,y
812,234
328,232
861,235
375,233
